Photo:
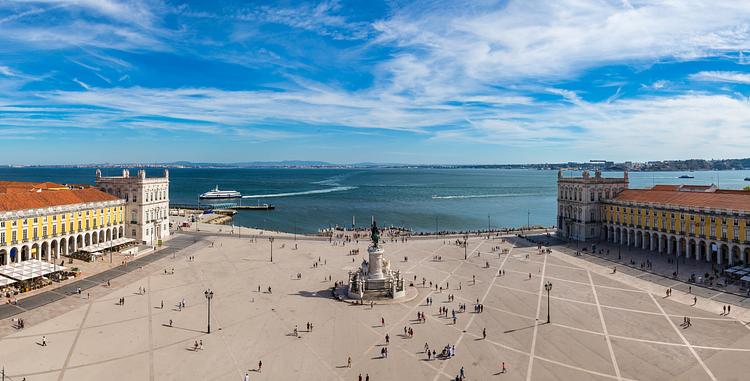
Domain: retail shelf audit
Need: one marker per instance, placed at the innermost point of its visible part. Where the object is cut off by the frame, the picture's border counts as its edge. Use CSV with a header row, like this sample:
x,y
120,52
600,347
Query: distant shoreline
x,y
539,167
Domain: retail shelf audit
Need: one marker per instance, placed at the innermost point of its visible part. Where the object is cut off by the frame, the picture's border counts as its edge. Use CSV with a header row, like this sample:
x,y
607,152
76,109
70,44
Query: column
x,y
731,257
718,256
661,241
687,249
623,234
708,252
679,249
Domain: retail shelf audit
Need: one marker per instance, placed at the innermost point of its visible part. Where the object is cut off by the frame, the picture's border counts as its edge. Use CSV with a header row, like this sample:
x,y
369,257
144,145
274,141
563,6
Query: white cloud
x,y
323,19
6,71
82,84
721,76
107,24
653,128
555,39
570,96
657,85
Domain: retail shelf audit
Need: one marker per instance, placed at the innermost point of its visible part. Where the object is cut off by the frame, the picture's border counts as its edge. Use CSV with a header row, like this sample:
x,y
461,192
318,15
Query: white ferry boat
x,y
216,193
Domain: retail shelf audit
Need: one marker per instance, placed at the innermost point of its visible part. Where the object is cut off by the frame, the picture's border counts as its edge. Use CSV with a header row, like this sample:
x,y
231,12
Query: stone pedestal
x,y
375,264
375,279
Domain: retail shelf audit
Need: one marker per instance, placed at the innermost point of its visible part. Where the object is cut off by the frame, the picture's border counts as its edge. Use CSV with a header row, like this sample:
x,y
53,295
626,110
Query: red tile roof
x,y
663,187
21,196
720,199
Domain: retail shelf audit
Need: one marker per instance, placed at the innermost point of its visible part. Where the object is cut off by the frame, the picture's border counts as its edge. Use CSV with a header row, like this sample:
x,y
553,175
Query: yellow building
x,y
44,220
700,222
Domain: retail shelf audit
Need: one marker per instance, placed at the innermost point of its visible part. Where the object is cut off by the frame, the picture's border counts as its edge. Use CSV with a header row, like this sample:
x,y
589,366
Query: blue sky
x,y
395,81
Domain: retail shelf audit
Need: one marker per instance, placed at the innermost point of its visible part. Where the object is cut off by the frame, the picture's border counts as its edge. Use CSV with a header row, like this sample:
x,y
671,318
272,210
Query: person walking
x,y
260,365
247,377
44,341
484,333
503,370
349,362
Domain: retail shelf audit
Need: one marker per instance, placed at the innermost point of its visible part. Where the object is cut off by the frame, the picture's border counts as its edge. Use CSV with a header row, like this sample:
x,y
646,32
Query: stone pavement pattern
x,y
604,326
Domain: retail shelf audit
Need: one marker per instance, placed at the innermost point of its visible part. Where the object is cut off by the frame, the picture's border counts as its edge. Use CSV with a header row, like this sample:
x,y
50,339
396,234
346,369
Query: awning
x,y
745,278
106,245
30,269
6,281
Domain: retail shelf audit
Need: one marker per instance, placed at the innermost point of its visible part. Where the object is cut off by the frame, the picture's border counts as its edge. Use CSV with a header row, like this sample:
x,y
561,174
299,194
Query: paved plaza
x,y
604,325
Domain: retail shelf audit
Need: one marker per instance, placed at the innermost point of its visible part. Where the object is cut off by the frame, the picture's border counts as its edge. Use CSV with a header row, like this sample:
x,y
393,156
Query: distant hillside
x,y
650,166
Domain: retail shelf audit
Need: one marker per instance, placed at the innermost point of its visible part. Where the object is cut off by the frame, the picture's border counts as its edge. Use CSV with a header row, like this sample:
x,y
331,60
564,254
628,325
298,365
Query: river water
x,y
421,199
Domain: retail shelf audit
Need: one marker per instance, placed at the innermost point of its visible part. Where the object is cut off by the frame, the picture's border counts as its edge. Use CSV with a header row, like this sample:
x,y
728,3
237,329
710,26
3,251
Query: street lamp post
x,y
111,238
528,219
209,295
466,244
548,288
271,240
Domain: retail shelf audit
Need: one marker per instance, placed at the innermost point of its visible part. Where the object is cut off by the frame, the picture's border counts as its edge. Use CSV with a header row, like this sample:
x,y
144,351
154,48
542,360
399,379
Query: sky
x,y
451,82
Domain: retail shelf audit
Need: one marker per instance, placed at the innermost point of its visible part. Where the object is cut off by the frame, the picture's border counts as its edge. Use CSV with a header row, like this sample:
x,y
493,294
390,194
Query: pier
x,y
254,207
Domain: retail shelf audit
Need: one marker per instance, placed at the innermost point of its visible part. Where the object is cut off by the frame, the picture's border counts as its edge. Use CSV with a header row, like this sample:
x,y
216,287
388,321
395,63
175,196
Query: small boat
x,y
686,177
747,178
218,194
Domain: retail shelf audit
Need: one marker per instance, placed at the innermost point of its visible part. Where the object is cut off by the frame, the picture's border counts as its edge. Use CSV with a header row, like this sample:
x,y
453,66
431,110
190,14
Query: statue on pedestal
x,y
375,234
375,278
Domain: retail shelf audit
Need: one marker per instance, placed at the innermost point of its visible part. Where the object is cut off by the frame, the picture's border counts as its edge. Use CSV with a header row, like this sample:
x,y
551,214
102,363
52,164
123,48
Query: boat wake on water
x,y
434,197
290,194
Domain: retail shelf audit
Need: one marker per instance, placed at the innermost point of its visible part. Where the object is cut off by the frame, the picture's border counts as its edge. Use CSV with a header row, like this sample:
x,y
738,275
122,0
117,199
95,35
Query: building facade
x,y
579,203
146,204
698,222
45,220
